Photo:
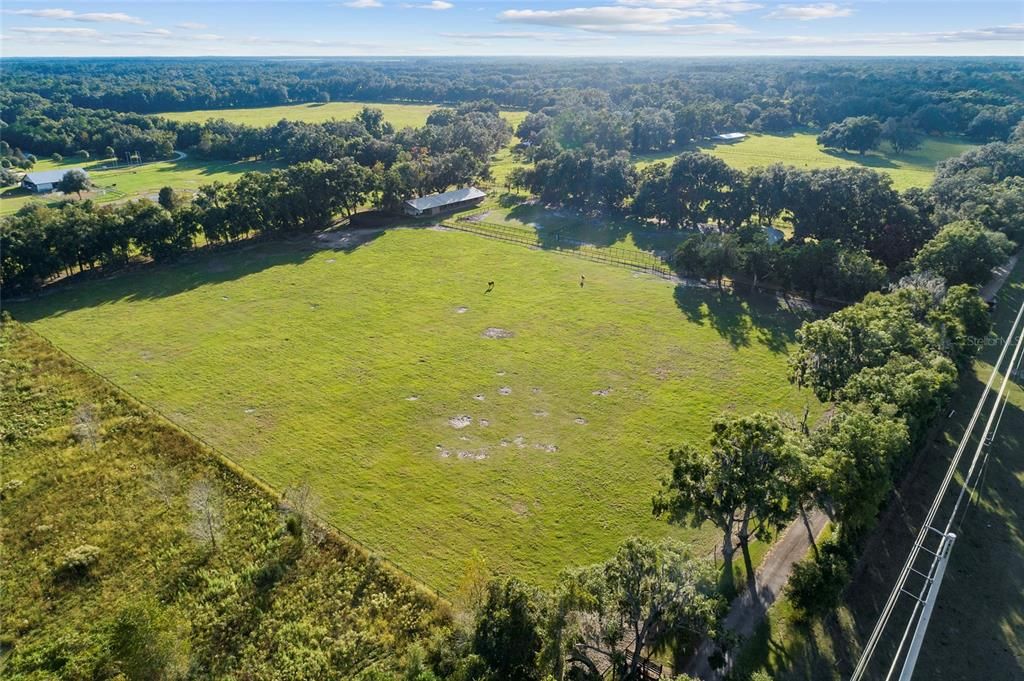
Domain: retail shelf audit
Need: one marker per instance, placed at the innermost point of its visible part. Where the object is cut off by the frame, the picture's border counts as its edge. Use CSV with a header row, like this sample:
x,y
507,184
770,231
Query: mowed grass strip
x,y
910,169
429,417
399,115
133,182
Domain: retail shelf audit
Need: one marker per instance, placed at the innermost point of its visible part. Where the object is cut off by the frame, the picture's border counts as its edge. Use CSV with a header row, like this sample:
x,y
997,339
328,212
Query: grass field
x,y
399,115
371,373
977,629
146,180
85,465
910,169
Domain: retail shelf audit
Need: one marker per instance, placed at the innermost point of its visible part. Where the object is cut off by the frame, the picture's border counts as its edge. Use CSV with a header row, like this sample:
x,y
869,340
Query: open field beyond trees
x,y
430,418
132,182
399,115
909,169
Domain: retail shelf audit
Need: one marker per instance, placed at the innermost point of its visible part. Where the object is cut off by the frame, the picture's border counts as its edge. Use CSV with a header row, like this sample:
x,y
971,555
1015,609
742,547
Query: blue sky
x,y
511,27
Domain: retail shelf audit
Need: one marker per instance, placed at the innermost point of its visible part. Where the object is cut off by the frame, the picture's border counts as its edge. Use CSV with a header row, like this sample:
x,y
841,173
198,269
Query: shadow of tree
x,y
194,270
741,320
868,160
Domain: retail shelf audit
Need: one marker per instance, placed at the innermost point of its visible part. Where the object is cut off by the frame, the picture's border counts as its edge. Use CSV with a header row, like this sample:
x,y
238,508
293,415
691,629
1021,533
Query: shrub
x,y
9,488
815,586
78,561
56,158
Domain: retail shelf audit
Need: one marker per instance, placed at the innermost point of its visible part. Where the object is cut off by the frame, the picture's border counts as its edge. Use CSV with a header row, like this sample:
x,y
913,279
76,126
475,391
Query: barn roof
x,y
446,199
50,176
730,136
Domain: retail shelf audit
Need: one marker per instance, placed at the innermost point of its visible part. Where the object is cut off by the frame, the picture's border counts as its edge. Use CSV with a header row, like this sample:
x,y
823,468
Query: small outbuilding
x,y
730,137
457,199
46,180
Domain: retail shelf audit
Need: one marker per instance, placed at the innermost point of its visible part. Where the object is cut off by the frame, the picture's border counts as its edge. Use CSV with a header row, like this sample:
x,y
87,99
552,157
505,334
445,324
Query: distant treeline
x,y
643,105
44,127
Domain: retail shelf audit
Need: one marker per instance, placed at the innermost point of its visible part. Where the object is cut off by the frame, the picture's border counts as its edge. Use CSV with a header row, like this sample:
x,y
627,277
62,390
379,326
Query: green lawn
x,y
399,115
355,370
134,182
910,169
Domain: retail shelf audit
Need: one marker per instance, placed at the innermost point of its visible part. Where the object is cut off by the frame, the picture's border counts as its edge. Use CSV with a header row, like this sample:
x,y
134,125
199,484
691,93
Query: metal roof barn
x,y
45,180
435,203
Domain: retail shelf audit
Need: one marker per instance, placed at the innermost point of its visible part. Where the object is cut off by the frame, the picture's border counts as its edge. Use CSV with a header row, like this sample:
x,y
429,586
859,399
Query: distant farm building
x,y
46,180
457,199
730,137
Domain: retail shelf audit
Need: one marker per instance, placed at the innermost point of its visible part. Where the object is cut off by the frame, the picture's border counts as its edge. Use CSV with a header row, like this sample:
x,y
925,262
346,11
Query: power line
x,y
899,589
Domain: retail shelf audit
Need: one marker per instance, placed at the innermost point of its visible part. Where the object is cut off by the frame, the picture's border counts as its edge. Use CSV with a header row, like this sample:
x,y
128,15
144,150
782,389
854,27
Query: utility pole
x,y
933,593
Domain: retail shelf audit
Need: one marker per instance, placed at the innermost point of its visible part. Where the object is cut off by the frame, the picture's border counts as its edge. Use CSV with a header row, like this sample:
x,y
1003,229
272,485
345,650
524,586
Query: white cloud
x,y
824,10
362,4
710,7
525,35
68,15
191,26
436,5
644,20
1009,32
64,32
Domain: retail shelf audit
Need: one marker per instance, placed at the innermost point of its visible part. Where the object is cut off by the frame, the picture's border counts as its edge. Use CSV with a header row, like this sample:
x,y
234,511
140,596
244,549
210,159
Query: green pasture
x,y
429,417
909,169
132,182
399,115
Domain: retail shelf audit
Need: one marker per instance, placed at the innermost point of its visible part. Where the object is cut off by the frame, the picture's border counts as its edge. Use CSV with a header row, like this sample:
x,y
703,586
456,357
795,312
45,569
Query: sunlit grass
x,y
349,370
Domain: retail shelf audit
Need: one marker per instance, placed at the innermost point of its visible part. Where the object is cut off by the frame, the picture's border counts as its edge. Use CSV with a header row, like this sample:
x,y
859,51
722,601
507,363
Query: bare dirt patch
x,y
461,310
495,332
412,398
551,449
479,217
605,392
540,413
479,397
484,423
344,240
460,422
505,390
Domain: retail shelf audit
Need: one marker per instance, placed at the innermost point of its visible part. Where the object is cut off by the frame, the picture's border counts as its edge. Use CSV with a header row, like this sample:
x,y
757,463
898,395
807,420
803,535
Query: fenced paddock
x,y
641,261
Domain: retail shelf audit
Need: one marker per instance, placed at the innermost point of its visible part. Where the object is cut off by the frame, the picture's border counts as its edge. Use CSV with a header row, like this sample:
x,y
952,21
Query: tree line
x,y
851,231
42,241
642,106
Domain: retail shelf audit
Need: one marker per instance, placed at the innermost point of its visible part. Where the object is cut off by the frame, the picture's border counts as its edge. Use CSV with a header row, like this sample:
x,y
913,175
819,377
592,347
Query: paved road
x,y
999,276
746,613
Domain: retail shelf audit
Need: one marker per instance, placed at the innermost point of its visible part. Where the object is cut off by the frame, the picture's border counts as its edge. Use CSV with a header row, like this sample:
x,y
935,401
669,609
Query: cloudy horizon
x,y
612,28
